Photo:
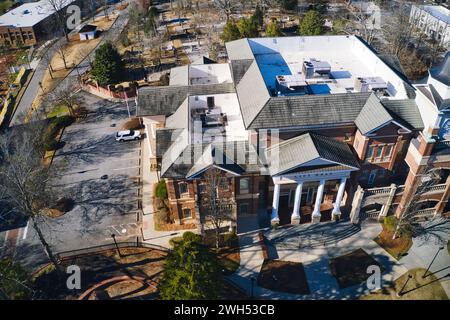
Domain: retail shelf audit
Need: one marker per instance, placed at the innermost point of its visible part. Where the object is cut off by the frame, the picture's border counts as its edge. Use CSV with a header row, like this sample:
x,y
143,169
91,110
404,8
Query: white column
x,y
340,194
276,200
298,197
319,196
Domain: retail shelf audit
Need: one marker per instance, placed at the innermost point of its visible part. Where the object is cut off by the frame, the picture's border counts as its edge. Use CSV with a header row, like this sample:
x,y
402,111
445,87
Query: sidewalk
x,y
421,254
321,283
149,178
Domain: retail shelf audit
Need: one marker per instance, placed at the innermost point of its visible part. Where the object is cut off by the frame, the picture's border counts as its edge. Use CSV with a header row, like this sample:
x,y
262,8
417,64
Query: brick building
x,y
297,125
30,23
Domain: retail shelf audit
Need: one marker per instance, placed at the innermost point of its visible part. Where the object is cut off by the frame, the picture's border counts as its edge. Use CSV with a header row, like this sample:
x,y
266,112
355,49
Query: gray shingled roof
x,y
239,68
165,100
372,116
405,110
164,139
252,93
180,118
300,150
179,76
238,157
308,110
441,104
239,50
377,113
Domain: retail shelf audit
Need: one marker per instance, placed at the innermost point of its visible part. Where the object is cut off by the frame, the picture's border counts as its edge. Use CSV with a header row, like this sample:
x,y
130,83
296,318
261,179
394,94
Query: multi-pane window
x,y
187,213
182,188
379,153
244,185
388,152
369,154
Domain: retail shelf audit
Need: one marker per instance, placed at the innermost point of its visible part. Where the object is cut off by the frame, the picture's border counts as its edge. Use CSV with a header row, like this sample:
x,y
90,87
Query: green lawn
x,y
58,111
4,5
416,289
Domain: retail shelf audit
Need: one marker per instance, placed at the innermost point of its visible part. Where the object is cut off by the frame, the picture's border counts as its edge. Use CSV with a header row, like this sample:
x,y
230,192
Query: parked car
x,y
127,135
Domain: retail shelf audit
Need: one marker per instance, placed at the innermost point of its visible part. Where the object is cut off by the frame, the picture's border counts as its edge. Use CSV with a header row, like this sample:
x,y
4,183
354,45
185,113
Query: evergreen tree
x,y
108,66
272,29
311,24
230,32
191,272
248,28
15,282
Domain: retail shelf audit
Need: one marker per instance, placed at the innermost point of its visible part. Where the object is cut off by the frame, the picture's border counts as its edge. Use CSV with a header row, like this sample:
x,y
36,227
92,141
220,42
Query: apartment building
x,y
434,21
295,124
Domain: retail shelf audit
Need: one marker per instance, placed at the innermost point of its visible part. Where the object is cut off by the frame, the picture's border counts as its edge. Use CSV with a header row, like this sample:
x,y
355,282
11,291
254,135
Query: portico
x,y
313,168
315,185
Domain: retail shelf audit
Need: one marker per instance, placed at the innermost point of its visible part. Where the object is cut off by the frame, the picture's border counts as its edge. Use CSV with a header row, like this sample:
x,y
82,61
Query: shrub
x,y
231,239
175,240
193,237
161,190
390,223
133,124
50,145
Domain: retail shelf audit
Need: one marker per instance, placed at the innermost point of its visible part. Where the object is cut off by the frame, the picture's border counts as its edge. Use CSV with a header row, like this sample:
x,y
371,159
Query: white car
x,y
128,135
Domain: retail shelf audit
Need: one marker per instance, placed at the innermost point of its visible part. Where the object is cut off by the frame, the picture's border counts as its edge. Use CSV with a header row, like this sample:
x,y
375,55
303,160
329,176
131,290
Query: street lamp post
x,y
400,293
117,246
428,269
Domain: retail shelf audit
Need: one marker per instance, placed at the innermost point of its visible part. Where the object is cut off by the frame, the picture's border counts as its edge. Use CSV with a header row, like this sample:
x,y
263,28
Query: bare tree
x,y
24,181
60,47
68,97
398,28
216,205
227,6
61,15
411,221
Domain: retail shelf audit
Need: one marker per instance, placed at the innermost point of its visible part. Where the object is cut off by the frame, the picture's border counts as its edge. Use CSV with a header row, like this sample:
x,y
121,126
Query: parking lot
x,y
101,175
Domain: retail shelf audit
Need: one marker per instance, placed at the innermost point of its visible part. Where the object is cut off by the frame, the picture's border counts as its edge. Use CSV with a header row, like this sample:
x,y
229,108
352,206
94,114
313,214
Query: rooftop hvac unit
x,y
368,84
291,84
313,66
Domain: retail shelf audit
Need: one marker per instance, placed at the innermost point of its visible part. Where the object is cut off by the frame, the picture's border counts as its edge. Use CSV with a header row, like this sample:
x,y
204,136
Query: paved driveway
x,y
101,176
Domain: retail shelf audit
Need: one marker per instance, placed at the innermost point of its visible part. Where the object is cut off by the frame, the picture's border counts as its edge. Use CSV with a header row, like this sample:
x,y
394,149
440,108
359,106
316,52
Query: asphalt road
x,y
101,175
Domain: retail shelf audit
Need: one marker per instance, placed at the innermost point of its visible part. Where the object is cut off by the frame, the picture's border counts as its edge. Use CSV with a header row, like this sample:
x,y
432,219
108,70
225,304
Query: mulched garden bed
x,y
283,276
351,269
139,262
397,248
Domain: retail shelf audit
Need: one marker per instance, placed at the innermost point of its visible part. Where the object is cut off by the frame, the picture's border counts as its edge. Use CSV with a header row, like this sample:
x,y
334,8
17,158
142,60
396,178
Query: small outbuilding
x,y
87,32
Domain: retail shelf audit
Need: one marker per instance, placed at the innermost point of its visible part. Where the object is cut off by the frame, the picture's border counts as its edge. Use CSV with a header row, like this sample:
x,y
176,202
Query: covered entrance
x,y
309,175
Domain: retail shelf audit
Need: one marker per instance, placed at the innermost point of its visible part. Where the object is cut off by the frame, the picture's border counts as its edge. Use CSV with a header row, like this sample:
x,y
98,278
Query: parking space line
x,y
126,168
120,159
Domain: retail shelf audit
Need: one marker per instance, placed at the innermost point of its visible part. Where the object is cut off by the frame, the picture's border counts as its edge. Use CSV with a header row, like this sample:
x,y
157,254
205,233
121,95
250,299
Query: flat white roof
x,y
228,105
29,14
348,57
